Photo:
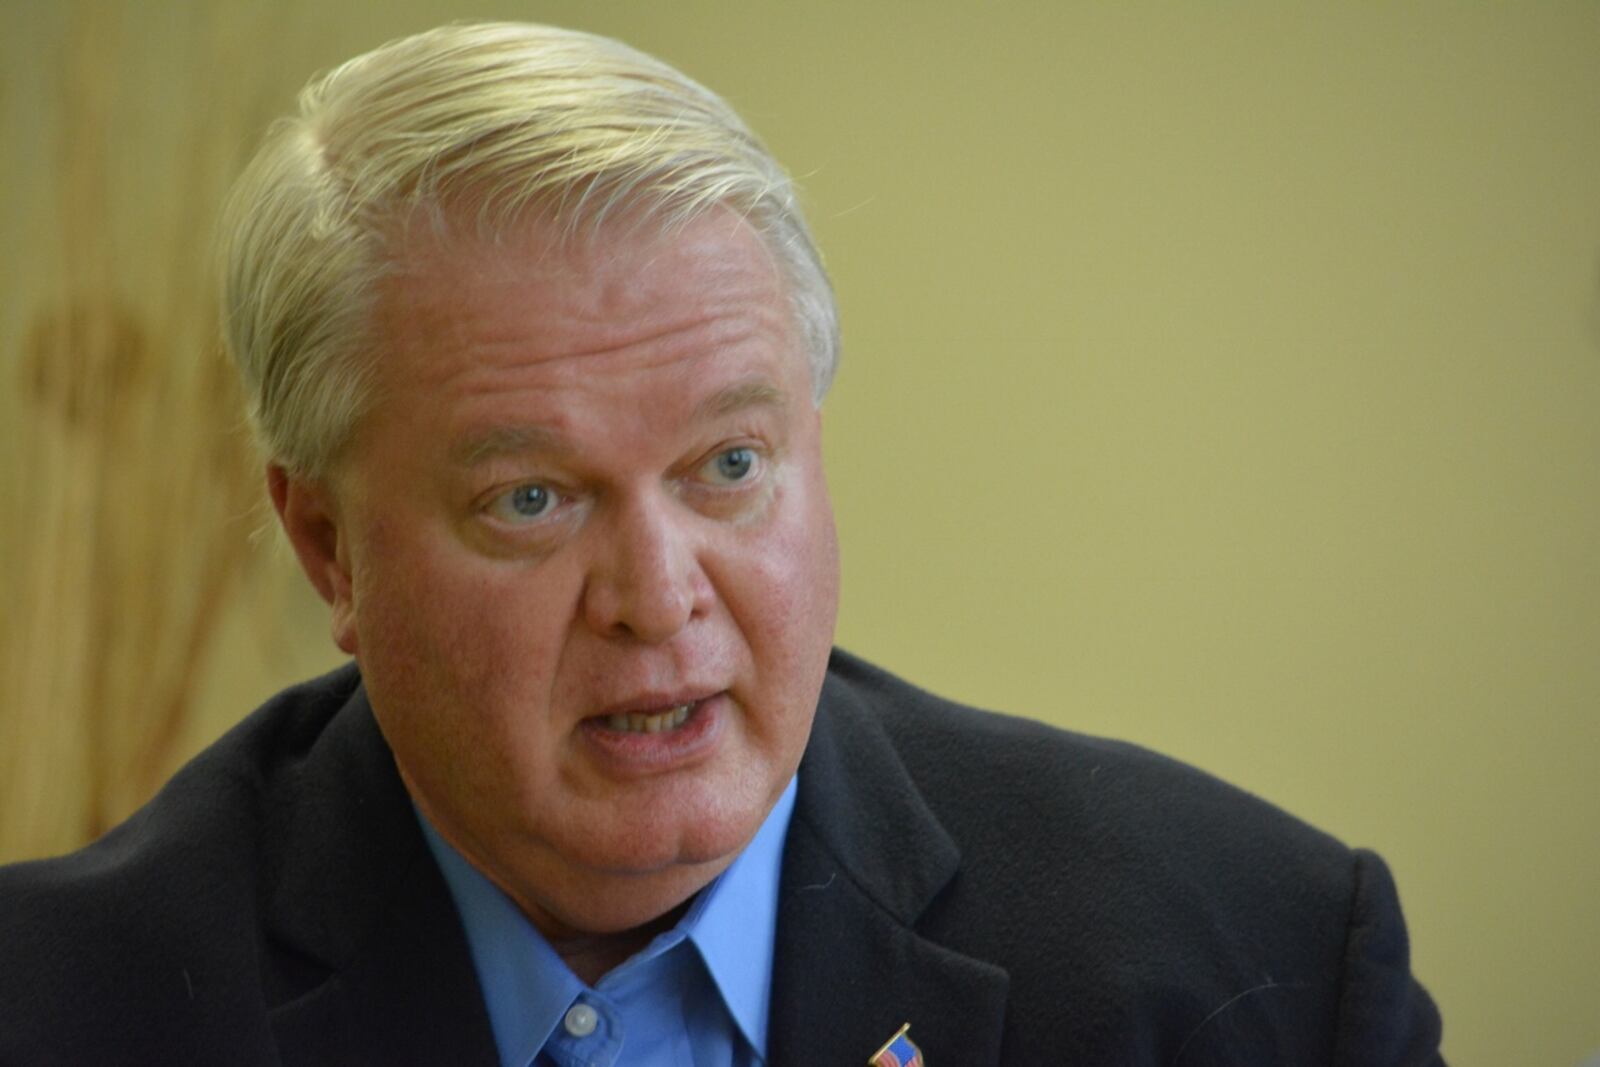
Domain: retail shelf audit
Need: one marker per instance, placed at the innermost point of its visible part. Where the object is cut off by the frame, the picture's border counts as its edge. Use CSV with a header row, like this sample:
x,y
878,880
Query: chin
x,y
655,846
619,900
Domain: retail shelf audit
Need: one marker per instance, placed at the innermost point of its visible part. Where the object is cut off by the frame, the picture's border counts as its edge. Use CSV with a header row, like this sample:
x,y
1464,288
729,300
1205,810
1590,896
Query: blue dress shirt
x,y
696,996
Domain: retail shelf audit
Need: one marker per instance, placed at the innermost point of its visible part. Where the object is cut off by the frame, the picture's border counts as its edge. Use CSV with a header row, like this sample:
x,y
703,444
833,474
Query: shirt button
x,y
580,1020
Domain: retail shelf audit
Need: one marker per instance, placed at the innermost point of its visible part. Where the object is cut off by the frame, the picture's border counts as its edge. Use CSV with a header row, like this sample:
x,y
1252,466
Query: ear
x,y
311,519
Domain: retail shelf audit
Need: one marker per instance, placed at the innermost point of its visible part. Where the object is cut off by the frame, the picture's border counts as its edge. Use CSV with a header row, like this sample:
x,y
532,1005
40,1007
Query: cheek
x,y
458,655
450,627
806,571
785,593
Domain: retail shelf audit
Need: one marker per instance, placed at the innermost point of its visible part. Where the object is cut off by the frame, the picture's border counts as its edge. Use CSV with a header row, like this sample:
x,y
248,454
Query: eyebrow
x,y
508,440
511,440
751,393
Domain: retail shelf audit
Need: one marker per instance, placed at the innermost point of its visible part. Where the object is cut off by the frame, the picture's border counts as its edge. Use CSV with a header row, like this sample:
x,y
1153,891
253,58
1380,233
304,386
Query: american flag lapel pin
x,y
898,1051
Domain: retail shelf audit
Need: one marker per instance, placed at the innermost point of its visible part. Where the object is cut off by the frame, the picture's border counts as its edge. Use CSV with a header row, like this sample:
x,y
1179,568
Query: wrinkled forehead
x,y
551,291
631,271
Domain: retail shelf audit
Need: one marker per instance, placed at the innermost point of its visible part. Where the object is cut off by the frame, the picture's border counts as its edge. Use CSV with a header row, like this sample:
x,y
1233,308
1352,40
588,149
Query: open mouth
x,y
658,736
638,723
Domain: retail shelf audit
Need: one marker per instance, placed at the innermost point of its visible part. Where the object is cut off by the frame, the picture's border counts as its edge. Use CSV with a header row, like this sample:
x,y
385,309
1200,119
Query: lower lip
x,y
629,753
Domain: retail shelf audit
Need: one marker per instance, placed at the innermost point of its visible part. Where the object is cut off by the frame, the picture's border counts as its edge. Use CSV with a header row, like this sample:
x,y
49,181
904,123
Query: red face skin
x,y
591,483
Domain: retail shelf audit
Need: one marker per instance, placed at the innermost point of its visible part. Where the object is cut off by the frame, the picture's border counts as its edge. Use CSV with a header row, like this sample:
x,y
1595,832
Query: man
x,y
536,340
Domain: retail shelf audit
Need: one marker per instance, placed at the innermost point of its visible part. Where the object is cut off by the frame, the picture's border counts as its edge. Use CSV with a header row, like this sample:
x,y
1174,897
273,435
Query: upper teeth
x,y
650,724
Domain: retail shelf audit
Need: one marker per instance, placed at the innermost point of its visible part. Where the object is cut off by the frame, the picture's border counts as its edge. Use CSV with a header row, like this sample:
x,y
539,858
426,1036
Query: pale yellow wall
x,y
1225,377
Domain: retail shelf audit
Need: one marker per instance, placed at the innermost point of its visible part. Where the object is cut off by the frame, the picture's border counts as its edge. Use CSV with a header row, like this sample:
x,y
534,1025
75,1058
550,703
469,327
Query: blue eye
x,y
530,500
733,465
525,502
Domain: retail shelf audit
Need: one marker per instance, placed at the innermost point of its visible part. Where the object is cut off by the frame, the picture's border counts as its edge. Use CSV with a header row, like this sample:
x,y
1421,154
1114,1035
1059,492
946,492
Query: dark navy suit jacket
x,y
1019,894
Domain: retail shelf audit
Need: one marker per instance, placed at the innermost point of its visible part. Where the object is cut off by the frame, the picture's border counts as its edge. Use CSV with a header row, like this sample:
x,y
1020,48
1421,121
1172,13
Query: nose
x,y
646,581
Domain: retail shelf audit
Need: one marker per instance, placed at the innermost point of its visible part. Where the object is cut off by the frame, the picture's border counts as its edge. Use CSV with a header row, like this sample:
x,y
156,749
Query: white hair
x,y
509,118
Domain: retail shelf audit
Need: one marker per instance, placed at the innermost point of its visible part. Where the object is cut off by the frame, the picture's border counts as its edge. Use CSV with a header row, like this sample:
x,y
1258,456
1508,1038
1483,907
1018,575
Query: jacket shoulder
x,y
163,907
982,771
1133,900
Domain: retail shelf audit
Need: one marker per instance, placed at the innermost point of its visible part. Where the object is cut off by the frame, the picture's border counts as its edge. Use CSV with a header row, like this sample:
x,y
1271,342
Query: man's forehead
x,y
502,331
521,438
626,278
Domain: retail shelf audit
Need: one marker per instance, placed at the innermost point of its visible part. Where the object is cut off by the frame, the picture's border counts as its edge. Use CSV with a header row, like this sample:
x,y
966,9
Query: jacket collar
x,y
360,905
864,859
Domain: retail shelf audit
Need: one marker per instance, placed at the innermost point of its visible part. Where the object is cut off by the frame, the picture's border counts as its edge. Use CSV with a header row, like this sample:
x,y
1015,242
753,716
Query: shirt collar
x,y
734,924
527,987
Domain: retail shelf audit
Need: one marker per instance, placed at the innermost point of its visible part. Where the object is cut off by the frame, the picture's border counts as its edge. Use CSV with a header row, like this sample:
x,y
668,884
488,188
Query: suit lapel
x,y
361,916
863,861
